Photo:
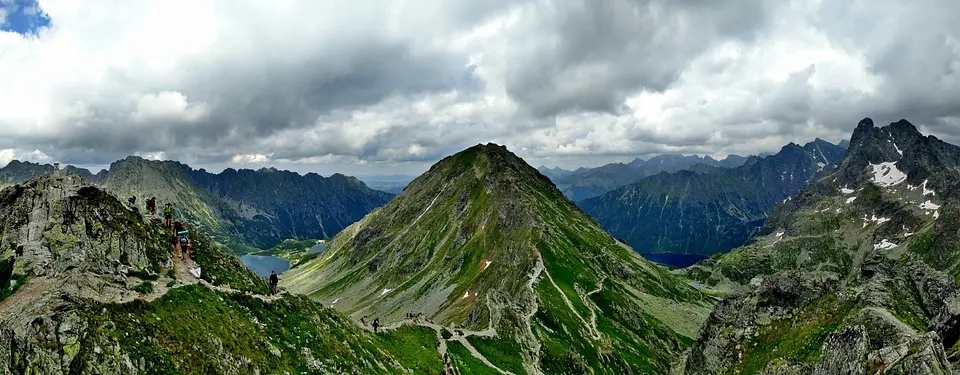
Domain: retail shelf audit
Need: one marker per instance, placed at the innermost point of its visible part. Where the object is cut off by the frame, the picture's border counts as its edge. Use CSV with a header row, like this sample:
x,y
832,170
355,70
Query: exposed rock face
x,y
855,275
89,287
55,224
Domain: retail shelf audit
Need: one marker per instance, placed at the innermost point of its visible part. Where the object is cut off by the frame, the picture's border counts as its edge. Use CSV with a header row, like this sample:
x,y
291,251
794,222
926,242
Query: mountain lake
x,y
264,264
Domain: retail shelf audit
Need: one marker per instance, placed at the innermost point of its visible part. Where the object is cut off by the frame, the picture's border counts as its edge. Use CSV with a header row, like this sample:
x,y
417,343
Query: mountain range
x,y
584,183
484,243
243,209
709,210
856,274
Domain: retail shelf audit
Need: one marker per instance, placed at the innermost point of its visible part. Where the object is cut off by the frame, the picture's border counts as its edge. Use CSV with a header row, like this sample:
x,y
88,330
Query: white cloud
x,y
250,158
167,106
373,82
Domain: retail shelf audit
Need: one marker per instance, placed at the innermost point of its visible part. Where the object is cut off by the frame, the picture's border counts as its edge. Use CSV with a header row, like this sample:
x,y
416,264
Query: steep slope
x,y
246,208
485,242
855,274
587,183
89,286
705,213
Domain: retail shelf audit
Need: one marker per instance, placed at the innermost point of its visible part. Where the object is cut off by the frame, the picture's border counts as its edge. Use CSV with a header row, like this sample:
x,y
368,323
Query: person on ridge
x,y
184,245
152,206
376,324
168,214
133,201
273,282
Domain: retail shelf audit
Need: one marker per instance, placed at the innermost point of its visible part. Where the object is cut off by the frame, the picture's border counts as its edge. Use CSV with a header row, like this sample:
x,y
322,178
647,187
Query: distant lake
x,y
317,248
264,264
675,260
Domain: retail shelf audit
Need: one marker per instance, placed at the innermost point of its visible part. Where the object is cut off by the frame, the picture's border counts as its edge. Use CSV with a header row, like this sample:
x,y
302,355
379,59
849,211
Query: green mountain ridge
x,y
89,286
705,213
855,274
243,209
484,243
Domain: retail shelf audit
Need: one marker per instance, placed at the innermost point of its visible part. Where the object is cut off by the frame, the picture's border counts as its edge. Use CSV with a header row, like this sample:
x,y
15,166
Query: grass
x,y
800,338
145,287
466,362
503,353
195,330
413,345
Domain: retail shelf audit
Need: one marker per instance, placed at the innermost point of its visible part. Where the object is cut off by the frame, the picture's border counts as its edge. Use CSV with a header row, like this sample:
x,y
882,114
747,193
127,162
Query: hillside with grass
x,y
484,245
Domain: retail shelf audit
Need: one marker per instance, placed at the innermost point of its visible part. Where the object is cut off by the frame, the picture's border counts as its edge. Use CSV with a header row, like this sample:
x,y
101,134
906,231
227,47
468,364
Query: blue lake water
x,y
264,264
675,260
317,248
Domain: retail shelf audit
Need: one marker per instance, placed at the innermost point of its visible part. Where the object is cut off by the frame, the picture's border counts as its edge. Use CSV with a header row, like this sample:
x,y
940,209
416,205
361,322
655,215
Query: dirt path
x,y
442,349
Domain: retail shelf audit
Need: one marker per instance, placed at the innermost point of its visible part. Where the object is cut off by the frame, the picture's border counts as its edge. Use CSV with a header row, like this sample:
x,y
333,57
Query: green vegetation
x,y
466,363
799,338
194,330
503,353
414,346
145,287
143,275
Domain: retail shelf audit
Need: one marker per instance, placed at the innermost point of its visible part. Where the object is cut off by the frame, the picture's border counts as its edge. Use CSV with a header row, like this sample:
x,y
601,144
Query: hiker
x,y
362,320
152,206
184,244
178,226
133,201
273,282
168,214
376,324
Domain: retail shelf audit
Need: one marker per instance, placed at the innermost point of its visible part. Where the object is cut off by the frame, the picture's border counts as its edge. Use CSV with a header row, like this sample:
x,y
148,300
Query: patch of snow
x,y
936,214
467,294
195,272
846,191
780,234
886,174
928,192
385,291
897,148
486,264
928,205
864,225
884,244
908,234
851,199
335,301
911,187
820,166
838,210
879,220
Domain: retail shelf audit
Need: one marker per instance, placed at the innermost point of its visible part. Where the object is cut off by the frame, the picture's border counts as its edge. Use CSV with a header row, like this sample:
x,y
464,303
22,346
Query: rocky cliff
x,y
856,274
89,286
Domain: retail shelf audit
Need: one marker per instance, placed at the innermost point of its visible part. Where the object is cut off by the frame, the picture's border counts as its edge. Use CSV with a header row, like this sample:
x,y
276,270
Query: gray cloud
x,y
362,82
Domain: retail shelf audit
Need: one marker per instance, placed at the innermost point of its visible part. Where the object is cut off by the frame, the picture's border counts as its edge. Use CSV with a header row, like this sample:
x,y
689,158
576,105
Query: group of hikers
x,y
181,236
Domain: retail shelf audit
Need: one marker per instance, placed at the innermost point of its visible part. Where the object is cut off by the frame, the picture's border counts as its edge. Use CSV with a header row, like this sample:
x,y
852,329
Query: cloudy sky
x,y
382,86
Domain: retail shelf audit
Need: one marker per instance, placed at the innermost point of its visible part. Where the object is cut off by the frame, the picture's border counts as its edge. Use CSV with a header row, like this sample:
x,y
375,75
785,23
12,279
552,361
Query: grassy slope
x,y
194,329
482,208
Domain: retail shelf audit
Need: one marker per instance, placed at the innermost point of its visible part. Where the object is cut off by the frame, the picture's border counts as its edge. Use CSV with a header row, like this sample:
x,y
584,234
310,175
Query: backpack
x,y
168,209
183,240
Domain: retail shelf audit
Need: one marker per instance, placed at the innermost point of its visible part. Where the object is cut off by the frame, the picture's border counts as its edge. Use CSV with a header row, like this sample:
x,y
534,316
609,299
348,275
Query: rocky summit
x,y
486,247
856,274
90,286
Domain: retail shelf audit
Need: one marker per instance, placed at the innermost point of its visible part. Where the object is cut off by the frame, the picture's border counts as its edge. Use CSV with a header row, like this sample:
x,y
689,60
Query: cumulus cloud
x,y
365,83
